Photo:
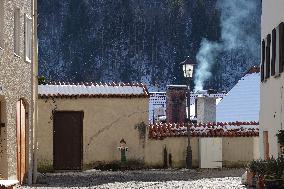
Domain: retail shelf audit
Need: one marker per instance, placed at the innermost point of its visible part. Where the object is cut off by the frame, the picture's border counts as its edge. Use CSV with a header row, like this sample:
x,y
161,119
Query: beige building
x,y
18,65
272,77
81,125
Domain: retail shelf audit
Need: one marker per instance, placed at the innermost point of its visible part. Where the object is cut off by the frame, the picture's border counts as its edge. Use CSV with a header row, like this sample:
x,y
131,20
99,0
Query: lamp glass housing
x,y
187,70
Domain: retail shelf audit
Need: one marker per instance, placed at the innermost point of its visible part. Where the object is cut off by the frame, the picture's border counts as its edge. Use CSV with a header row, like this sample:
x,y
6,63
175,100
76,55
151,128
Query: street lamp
x,y
188,67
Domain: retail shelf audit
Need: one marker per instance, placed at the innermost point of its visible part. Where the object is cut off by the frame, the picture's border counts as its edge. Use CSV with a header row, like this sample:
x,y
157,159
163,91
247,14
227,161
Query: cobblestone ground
x,y
213,179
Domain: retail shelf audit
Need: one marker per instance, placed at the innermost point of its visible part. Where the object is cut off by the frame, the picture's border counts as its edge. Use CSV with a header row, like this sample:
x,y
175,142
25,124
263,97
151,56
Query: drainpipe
x,y
33,162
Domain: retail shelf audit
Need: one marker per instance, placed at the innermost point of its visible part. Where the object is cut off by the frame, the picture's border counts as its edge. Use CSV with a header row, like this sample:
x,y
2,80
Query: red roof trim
x,y
162,131
254,69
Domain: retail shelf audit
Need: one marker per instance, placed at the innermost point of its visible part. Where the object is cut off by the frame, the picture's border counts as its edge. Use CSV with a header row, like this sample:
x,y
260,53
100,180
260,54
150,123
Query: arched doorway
x,y
22,128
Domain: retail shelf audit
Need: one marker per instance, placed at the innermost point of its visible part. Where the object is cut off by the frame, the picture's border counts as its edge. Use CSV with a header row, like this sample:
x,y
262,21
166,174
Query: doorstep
x,y
8,183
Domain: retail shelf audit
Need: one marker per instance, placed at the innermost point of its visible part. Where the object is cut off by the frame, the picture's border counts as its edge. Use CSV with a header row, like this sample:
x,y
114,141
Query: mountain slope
x,y
133,41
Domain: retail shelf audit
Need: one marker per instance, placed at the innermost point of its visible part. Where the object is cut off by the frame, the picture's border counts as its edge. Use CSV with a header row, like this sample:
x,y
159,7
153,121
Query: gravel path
x,y
225,178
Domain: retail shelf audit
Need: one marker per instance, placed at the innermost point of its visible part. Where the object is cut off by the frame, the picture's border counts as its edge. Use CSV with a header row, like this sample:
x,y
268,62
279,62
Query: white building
x,y
272,76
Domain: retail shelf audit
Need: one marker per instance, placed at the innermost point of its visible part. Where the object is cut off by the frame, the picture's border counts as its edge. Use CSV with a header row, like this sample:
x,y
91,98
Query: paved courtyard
x,y
226,178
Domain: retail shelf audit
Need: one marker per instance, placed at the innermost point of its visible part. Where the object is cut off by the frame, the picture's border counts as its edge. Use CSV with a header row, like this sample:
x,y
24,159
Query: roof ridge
x,y
90,89
234,123
94,83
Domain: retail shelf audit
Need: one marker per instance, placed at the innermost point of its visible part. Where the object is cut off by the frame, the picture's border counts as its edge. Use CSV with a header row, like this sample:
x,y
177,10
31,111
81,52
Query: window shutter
x,y
273,55
263,59
267,62
281,49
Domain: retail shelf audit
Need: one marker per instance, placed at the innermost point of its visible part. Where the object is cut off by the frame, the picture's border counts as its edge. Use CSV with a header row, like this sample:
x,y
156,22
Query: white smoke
x,y
205,57
235,15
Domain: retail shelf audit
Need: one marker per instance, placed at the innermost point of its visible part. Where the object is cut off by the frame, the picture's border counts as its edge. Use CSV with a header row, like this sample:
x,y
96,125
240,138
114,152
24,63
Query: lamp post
x,y
187,67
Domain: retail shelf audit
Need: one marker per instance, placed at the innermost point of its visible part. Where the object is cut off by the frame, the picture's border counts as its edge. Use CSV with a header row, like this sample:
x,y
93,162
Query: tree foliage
x,y
127,40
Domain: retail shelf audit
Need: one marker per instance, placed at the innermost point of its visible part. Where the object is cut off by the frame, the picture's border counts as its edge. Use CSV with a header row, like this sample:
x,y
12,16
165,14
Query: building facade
x,y
82,125
17,84
272,76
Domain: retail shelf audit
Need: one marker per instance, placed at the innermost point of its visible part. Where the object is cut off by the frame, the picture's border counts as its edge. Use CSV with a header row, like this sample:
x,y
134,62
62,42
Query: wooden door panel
x,y
67,140
18,120
266,145
21,140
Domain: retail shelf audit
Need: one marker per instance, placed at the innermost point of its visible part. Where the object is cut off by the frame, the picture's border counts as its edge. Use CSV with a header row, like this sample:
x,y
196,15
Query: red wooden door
x,y
67,140
21,141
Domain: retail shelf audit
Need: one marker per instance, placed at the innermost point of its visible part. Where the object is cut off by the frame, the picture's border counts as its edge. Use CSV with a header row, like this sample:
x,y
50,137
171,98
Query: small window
x,y
2,23
28,38
281,47
262,60
17,31
267,57
273,54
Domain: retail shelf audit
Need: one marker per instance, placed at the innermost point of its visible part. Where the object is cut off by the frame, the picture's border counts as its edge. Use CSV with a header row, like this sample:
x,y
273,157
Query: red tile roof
x,y
254,69
93,90
219,129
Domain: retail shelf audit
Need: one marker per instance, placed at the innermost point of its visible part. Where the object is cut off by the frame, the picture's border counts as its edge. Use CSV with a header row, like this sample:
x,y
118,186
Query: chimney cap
x,y
211,91
177,86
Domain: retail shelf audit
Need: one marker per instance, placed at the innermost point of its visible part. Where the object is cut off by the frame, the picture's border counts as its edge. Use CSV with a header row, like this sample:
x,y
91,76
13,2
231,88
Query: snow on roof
x,y
93,90
242,102
219,129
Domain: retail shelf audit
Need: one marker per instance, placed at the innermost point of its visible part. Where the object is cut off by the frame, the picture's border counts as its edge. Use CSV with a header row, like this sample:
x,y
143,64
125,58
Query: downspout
x,y
33,161
30,172
35,56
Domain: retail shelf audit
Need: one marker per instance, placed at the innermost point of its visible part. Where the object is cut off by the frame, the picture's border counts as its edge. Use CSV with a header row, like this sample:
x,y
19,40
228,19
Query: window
x,y
17,31
273,54
267,57
28,38
263,60
281,47
2,23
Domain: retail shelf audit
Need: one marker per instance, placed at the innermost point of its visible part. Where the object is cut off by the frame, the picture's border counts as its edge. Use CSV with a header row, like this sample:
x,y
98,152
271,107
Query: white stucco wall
x,y
271,96
272,15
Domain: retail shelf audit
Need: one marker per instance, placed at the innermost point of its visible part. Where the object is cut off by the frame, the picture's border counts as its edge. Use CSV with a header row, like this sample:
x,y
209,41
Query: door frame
x,y
81,131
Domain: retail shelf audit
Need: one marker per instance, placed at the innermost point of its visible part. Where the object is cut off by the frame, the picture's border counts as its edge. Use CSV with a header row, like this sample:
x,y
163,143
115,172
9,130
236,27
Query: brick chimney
x,y
206,109
176,103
